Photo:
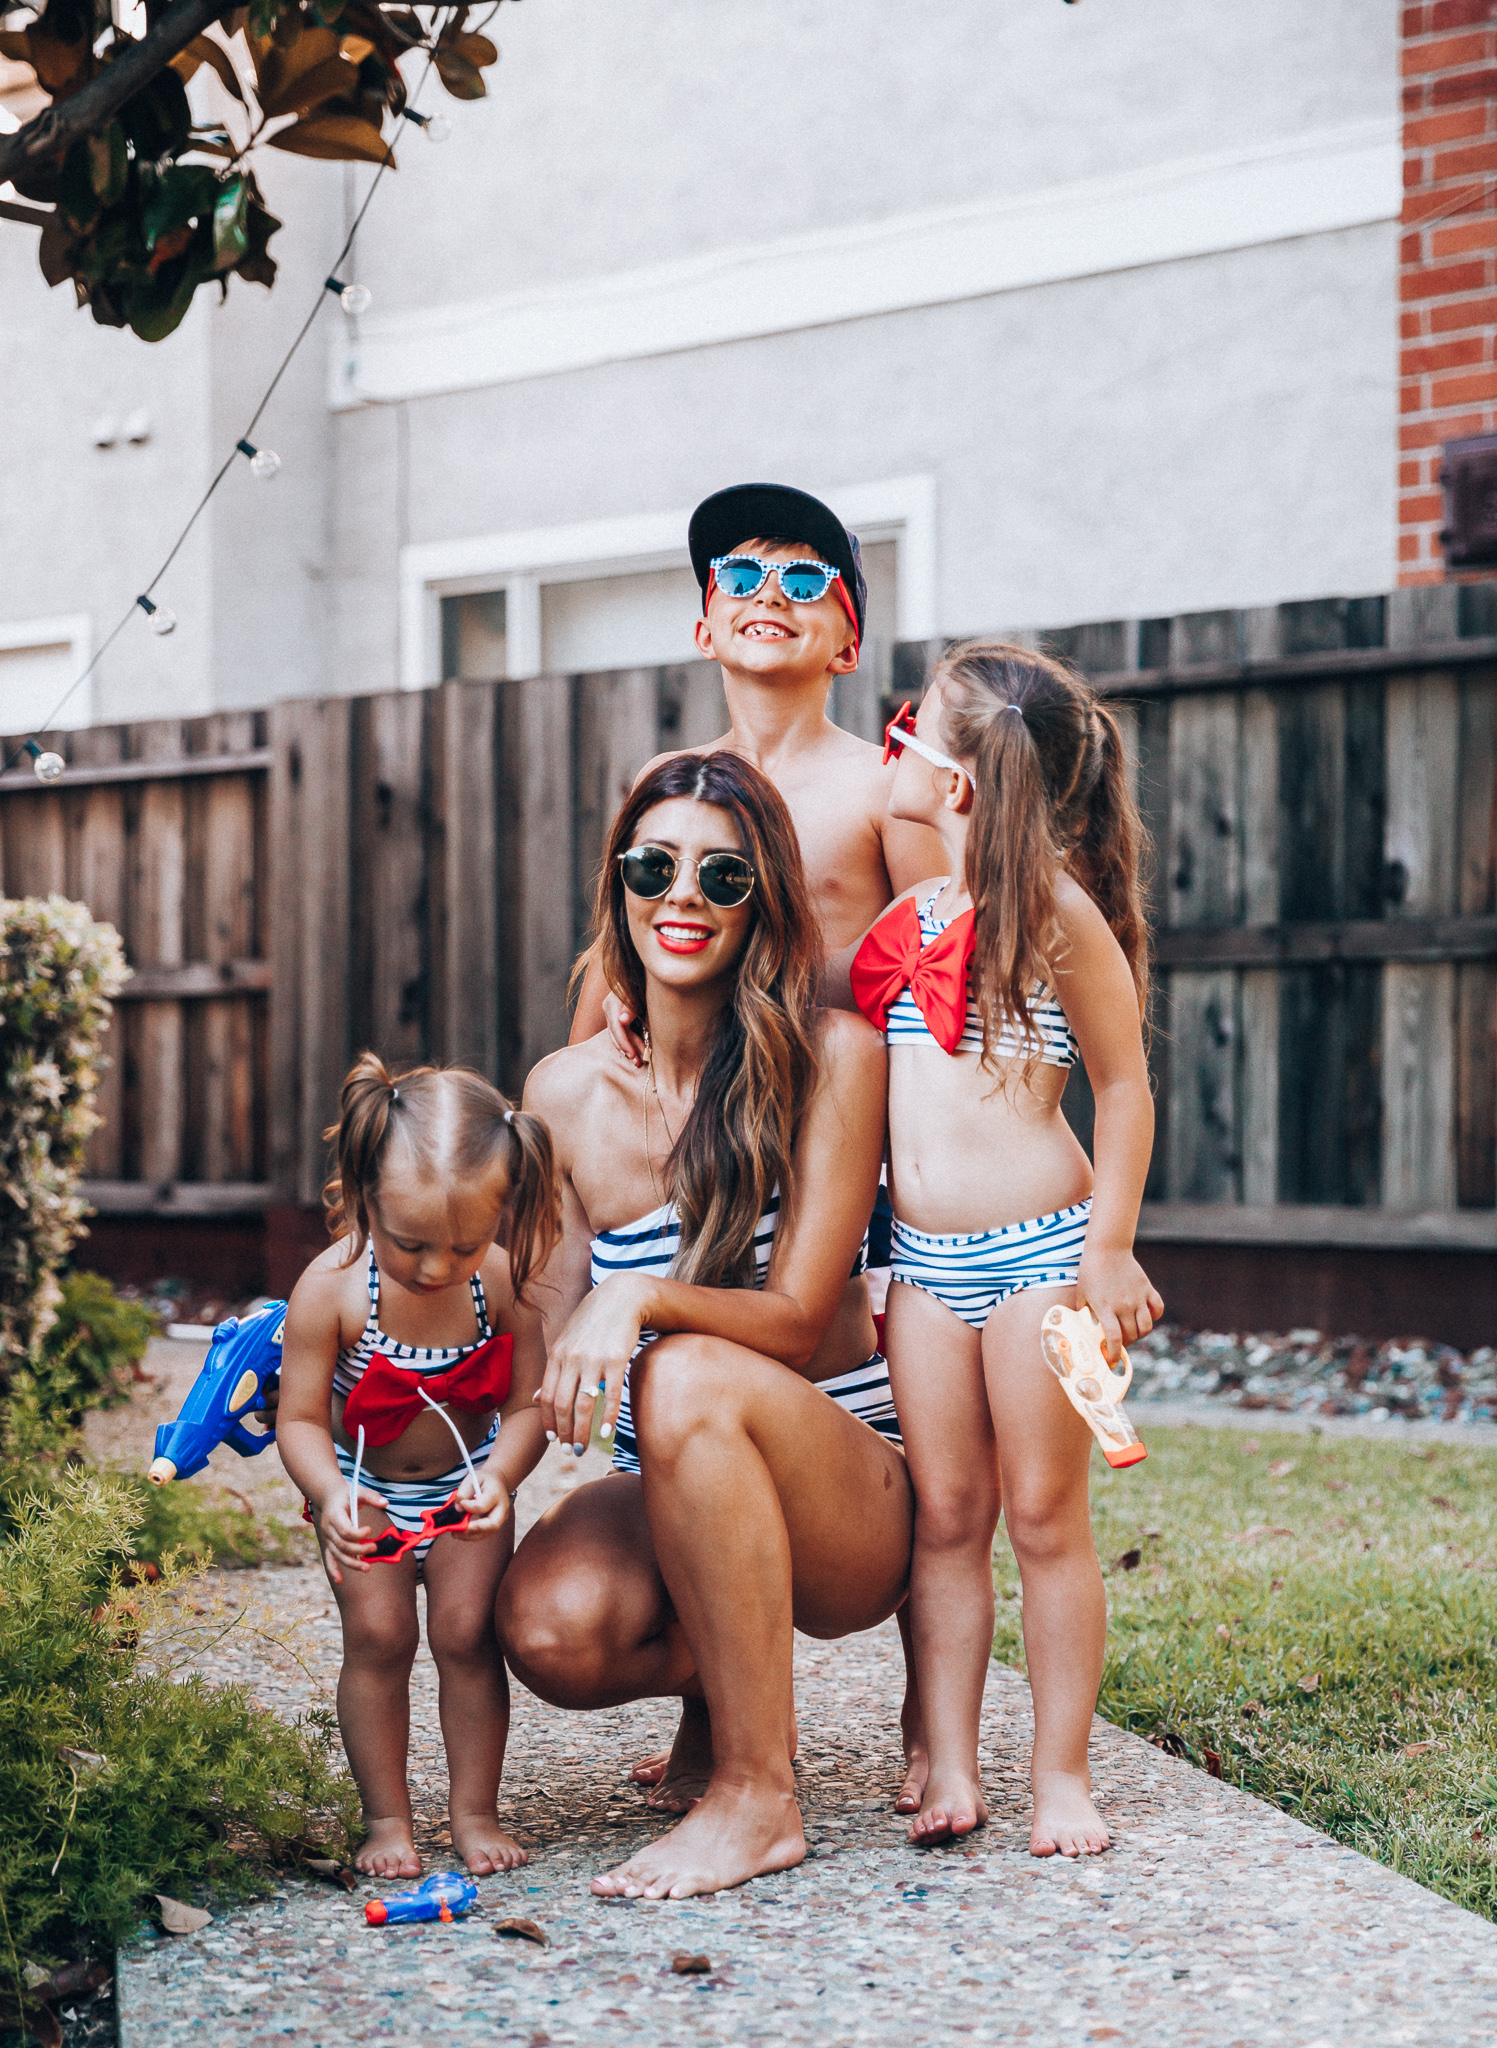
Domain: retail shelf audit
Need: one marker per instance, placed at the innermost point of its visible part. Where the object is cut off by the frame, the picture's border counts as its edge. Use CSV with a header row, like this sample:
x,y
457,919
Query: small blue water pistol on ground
x,y
231,1385
445,1895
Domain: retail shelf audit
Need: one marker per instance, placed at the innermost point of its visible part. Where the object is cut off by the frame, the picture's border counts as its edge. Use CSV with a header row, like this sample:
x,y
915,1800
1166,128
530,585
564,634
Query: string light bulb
x,y
162,620
353,298
264,462
45,765
435,127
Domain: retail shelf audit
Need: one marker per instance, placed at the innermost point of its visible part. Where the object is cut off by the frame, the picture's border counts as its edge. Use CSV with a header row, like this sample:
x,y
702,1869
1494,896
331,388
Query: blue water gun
x,y
445,1895
231,1385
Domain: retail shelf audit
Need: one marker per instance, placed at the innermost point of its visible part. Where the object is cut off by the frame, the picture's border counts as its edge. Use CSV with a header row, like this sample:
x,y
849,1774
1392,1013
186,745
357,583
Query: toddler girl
x,y
407,1342
988,983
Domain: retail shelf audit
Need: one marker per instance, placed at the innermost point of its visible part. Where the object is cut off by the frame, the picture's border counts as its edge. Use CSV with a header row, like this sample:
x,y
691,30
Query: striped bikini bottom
x,y
406,1500
864,1392
970,1275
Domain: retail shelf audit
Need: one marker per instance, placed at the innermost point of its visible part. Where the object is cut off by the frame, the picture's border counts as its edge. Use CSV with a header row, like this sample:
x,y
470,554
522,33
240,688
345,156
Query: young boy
x,y
779,658
780,650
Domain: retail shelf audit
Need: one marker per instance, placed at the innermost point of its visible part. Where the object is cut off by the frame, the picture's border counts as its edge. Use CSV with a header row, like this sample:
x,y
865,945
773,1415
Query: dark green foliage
x,y
1315,1618
87,1358
122,1775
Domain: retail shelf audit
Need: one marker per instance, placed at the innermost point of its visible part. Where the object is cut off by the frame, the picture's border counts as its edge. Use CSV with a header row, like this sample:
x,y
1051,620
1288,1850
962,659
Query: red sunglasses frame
x,y
902,721
394,1543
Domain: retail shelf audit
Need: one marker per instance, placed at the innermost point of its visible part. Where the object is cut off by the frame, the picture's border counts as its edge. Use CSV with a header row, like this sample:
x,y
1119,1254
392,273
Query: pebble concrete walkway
x,y
1214,1920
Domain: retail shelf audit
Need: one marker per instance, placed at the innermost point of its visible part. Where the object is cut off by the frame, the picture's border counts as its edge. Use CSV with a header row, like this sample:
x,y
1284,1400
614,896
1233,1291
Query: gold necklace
x,y
644,1103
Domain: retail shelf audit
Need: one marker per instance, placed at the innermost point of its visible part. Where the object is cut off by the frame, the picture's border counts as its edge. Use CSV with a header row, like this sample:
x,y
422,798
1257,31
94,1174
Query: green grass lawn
x,y
1315,1620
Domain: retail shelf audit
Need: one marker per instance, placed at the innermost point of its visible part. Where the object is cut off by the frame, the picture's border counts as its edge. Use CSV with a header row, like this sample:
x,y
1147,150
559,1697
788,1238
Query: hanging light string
x,y
263,461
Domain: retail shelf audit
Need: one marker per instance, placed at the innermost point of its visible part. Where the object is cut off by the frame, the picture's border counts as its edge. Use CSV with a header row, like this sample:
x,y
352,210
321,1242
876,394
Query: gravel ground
x,y
1306,1372
1215,1920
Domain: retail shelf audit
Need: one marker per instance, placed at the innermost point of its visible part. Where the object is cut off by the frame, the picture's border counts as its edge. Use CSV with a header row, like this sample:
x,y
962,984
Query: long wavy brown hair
x,y
456,1125
736,1147
1050,777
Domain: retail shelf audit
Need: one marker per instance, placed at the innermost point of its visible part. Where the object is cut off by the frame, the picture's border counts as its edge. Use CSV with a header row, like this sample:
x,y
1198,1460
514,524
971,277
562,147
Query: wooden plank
x,y
1203,1147
1421,835
1155,678
155,1081
1419,1083
96,876
1258,785
464,1020
1308,1224
1205,868
1329,1113
616,731
1258,1079
1311,803
1476,1084
22,781
535,860
198,978
389,966
1392,938
693,710
33,837
1476,887
177,1198
1152,741
1364,800
310,892
222,934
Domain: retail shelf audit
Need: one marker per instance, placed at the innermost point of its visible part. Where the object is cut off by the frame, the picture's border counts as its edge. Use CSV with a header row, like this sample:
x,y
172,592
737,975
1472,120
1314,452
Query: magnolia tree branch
x,y
94,105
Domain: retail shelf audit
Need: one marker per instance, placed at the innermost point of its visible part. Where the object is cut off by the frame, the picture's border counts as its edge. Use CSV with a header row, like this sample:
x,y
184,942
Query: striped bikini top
x,y
650,1245
1054,1042
421,1359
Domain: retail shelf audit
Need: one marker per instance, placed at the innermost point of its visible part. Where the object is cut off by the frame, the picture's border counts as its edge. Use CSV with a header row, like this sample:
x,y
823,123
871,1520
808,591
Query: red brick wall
x,y
1448,282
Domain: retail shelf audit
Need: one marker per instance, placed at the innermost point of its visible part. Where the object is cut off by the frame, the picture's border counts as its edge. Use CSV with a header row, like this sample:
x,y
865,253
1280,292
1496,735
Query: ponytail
x,y
1050,788
458,1127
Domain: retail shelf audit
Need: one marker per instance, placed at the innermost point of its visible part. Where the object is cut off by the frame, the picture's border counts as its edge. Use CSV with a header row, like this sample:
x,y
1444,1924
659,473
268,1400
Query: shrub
x,y
88,1357
58,970
125,1776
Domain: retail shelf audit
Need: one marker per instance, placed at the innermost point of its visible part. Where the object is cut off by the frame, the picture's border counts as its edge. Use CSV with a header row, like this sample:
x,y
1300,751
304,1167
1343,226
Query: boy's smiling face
x,y
767,638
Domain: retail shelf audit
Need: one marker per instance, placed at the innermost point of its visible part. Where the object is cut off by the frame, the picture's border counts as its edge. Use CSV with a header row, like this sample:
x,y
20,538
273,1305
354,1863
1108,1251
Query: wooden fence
x,y
411,872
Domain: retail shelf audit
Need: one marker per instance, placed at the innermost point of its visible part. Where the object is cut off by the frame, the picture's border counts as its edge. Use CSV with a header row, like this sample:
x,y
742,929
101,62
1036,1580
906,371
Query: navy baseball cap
x,y
728,518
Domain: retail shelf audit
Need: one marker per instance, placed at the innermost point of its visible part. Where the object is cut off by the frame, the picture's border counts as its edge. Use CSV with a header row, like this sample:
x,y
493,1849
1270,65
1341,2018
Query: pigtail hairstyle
x,y
455,1125
736,1146
1050,778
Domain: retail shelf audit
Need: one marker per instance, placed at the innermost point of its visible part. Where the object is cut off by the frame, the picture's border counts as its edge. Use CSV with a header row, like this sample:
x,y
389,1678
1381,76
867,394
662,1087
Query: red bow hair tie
x,y
892,959
385,1402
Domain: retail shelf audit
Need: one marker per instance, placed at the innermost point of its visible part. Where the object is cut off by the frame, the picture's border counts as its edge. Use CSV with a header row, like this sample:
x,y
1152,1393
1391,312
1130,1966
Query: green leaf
x,y
158,305
184,193
462,79
230,235
157,120
262,16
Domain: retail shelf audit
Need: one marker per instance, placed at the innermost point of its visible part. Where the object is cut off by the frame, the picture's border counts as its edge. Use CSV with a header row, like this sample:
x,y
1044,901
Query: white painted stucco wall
x,y
1212,430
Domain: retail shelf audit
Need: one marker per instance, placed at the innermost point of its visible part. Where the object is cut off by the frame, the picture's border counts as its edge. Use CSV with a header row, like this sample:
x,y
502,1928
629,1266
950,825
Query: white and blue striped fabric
x,y
407,1499
971,1274
651,1245
418,1359
1054,1042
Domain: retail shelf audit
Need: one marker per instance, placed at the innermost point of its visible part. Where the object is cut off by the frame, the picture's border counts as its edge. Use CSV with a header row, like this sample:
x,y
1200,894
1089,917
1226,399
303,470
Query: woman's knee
x,y
560,1632
678,1387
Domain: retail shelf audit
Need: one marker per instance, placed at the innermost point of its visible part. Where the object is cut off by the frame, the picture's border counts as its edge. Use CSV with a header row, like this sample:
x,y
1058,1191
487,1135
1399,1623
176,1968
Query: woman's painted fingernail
x,y
550,1436
606,1430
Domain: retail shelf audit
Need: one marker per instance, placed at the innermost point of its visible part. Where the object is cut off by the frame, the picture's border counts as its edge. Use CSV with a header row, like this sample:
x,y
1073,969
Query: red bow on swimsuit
x,y
892,959
385,1400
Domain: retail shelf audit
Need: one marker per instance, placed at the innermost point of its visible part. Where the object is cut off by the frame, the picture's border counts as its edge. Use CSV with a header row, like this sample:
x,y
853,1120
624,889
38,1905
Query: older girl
x,y
407,1342
989,983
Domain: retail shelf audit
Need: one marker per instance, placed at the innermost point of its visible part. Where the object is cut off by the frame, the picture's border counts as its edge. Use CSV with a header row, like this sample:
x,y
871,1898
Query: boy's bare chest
x,y
843,855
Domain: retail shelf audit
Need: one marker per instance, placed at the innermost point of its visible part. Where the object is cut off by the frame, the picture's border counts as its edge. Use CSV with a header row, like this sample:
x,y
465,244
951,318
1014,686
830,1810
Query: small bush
x,y
88,1357
58,970
125,1777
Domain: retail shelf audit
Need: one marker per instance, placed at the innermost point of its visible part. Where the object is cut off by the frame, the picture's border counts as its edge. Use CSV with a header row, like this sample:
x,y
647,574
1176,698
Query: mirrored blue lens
x,y
739,579
805,582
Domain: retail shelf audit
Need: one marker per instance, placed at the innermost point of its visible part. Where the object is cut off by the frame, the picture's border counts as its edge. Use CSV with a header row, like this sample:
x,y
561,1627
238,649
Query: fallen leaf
x,y
1420,1748
1224,1632
1280,1467
522,1930
1129,1561
691,1966
1438,1500
1252,1447
334,1871
179,1919
1337,1485
1252,1709
35,1976
1310,1684
1171,1743
1213,1763
86,1762
1276,1585
1153,1532
1258,1531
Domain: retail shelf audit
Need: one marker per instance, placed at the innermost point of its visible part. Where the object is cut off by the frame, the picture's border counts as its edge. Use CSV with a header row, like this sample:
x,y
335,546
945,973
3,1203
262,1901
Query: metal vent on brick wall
x,y
1469,474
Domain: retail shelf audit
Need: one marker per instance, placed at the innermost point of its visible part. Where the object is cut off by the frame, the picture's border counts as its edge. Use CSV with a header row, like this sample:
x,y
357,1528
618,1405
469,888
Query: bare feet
x,y
680,1773
390,1850
951,1806
1065,1821
483,1844
733,1833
